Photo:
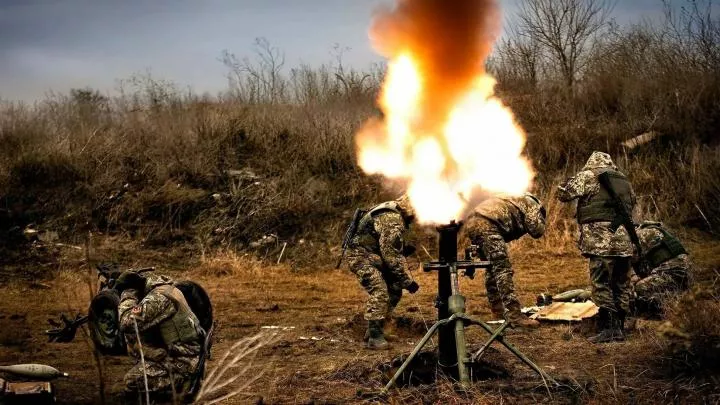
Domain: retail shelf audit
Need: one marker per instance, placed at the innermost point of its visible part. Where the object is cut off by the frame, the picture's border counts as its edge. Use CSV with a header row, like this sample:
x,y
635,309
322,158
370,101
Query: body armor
x,y
366,236
184,326
600,207
667,248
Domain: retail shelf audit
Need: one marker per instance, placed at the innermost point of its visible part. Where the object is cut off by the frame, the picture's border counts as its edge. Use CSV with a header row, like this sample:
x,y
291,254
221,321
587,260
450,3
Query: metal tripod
x,y
452,320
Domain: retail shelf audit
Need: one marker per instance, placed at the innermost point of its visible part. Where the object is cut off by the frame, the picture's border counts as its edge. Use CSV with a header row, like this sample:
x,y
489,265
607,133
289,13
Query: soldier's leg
x,y
603,297
158,378
395,293
493,294
620,285
371,279
600,282
652,290
495,249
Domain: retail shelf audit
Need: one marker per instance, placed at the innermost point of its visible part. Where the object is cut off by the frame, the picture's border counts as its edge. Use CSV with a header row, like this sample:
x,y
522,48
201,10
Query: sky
x,y
56,45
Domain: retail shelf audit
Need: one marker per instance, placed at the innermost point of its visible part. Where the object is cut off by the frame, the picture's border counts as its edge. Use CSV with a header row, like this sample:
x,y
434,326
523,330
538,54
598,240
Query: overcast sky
x,y
61,44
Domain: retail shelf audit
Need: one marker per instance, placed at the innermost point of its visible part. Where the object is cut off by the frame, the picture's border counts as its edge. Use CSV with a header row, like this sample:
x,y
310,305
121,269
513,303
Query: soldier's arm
x,y
574,187
148,312
390,227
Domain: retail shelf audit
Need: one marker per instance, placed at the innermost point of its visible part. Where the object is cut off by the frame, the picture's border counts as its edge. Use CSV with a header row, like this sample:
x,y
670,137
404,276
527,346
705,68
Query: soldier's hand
x,y
413,287
129,280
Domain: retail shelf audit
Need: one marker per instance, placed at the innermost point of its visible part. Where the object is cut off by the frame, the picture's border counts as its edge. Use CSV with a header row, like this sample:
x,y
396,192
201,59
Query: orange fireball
x,y
444,131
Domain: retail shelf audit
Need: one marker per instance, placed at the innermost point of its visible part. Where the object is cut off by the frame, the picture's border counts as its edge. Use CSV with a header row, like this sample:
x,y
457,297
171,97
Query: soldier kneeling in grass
x,y
170,335
663,270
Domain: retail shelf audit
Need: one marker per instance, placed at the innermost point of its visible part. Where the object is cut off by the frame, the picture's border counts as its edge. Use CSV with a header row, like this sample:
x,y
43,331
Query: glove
x,y
129,280
413,287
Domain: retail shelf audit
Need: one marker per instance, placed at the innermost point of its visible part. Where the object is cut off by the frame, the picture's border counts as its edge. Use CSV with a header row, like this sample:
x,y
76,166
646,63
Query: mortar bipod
x,y
452,348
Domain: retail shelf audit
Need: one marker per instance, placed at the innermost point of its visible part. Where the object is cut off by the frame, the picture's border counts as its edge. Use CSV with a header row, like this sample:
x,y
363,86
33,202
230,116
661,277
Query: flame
x,y
444,131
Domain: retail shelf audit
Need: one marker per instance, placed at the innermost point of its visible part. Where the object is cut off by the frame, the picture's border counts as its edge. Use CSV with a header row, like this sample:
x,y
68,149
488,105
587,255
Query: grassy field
x,y
317,356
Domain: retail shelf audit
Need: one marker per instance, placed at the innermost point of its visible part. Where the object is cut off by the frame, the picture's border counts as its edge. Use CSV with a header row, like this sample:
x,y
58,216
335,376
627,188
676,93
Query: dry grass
x,y
194,184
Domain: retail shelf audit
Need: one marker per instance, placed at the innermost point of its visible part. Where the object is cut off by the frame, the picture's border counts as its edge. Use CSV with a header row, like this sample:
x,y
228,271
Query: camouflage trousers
x,y
609,278
384,291
162,376
654,289
498,279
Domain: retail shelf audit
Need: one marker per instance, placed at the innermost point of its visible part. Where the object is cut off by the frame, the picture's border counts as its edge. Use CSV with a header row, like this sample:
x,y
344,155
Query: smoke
x,y
450,39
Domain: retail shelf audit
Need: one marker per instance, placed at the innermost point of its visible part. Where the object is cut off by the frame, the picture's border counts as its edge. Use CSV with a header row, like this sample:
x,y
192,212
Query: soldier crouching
x,y
663,270
170,333
493,224
376,256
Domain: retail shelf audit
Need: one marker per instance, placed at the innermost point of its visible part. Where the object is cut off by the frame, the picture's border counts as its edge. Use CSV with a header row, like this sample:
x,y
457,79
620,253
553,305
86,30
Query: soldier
x,y
170,333
664,268
606,244
376,255
492,224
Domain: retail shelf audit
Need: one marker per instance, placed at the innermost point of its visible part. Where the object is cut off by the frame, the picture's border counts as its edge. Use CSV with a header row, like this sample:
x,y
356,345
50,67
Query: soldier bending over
x,y
376,256
493,224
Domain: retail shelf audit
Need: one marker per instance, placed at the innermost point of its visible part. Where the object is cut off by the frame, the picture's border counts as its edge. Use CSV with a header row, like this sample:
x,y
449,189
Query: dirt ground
x,y
317,356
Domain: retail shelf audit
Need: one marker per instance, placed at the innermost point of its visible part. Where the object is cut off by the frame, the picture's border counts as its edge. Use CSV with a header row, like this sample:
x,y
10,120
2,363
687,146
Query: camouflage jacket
x,y
596,238
511,217
149,312
385,237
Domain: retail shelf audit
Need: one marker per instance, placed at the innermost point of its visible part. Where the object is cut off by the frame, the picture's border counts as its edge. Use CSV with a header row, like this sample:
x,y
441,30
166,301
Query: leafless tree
x,y
566,28
519,57
695,26
258,80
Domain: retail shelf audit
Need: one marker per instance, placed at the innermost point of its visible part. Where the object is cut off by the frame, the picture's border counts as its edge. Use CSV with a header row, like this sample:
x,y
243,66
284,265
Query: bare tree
x,y
695,27
259,80
519,58
566,29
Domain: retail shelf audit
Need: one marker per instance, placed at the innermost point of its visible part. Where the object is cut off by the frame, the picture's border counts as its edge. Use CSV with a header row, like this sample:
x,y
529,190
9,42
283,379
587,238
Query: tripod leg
x,y
487,344
514,351
415,351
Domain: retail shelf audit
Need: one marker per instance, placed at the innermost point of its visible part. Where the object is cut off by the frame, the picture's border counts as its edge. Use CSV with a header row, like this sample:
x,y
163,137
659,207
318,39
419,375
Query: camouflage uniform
x,y
493,224
609,252
665,267
375,256
167,360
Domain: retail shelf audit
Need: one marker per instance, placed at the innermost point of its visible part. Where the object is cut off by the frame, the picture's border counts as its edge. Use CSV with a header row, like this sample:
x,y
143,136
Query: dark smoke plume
x,y
449,39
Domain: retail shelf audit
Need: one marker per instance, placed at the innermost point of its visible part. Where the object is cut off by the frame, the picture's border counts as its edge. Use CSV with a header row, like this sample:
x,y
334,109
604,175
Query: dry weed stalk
x,y
233,366
142,361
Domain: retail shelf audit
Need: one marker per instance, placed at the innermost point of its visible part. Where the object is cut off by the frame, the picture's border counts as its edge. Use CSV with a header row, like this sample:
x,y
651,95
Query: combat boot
x,y
518,320
367,331
497,309
607,325
376,339
619,326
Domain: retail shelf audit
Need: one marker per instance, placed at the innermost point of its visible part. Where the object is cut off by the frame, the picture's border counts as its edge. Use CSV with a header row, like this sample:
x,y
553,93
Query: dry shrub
x,y
692,331
275,155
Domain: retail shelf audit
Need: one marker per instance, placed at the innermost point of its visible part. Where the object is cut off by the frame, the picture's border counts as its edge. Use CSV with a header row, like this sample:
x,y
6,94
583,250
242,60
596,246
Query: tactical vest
x,y
365,236
183,327
668,248
600,207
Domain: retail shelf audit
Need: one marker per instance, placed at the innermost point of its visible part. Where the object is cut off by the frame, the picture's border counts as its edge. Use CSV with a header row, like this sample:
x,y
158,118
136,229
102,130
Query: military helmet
x,y
535,215
405,207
